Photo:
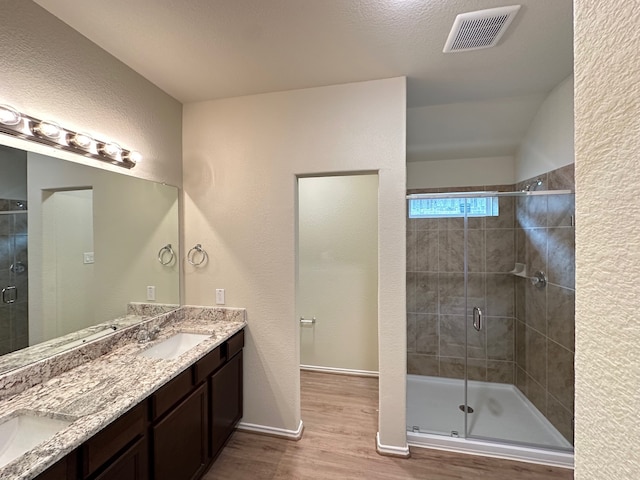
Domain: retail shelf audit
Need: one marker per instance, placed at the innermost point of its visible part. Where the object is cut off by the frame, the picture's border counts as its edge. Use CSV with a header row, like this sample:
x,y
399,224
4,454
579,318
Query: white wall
x,y
607,146
489,128
467,143
506,140
461,172
241,158
51,71
548,143
338,271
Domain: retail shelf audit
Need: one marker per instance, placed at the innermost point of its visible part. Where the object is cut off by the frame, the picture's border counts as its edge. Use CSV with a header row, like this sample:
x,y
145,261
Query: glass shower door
x,y
519,357
436,286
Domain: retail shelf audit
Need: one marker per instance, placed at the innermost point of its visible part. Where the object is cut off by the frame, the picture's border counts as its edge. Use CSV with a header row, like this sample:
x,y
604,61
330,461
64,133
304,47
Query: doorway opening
x,y
337,273
68,261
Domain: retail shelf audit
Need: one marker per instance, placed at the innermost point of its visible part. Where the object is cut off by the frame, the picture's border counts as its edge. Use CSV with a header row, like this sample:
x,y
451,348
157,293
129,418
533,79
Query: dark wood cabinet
x,y
133,464
226,402
114,439
208,364
174,434
234,344
65,469
170,394
181,440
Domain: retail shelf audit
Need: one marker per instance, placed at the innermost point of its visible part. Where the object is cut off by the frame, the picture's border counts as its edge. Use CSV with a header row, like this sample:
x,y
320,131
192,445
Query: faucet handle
x,y
154,332
143,335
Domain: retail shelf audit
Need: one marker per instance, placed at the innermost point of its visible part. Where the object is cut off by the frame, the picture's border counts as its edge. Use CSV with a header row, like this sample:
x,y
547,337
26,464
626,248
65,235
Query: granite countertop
x,y
98,392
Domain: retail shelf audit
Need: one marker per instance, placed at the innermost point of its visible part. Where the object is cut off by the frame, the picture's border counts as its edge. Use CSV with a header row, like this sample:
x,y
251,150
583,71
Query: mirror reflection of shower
x,y
14,298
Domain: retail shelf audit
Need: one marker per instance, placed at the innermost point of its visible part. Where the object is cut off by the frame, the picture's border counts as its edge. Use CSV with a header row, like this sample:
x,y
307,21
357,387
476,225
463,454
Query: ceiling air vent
x,y
481,29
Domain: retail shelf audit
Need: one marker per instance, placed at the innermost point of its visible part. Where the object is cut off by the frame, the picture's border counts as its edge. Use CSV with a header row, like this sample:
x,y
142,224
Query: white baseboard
x,y
272,431
339,371
390,450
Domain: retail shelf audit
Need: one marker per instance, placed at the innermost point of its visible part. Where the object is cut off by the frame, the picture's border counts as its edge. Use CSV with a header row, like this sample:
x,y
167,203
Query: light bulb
x,y
9,115
81,140
132,156
47,129
110,150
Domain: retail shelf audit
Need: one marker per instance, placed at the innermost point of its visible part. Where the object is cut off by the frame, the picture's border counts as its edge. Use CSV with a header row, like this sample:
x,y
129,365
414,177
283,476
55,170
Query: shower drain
x,y
468,409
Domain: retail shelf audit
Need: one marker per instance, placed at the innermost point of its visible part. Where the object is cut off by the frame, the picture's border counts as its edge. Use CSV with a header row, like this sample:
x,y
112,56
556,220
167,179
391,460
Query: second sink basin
x,y
175,346
22,431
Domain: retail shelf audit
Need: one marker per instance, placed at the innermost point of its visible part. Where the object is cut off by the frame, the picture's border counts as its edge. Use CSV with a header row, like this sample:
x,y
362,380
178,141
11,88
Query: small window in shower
x,y
453,207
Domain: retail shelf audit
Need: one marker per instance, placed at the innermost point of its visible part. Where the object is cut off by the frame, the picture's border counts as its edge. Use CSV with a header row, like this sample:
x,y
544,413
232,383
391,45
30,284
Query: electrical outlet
x,y
219,296
151,292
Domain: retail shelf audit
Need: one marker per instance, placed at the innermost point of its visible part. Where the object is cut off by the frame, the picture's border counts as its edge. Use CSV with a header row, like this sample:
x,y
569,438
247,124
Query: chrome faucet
x,y
145,335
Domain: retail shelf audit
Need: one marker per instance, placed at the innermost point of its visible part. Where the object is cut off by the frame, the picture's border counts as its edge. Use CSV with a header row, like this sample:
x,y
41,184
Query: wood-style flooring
x,y
340,419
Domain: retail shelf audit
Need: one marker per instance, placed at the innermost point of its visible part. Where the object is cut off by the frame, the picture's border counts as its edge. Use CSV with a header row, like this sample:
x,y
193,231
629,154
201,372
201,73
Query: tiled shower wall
x,y
545,241
435,294
529,334
14,318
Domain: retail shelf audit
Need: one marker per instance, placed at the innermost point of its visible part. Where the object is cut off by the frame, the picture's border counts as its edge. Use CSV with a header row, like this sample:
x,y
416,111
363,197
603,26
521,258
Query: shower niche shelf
x,y
520,270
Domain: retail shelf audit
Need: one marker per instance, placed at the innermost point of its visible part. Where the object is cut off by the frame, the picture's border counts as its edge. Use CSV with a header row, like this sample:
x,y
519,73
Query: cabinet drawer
x,y
133,464
168,395
235,344
207,365
104,445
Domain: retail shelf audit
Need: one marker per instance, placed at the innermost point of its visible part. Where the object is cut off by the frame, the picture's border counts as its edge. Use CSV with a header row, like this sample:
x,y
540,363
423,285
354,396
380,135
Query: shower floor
x,y
500,412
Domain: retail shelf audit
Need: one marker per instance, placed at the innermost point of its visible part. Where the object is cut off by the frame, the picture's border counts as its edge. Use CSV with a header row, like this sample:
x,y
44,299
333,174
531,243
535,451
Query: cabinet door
x,y
226,402
131,465
180,440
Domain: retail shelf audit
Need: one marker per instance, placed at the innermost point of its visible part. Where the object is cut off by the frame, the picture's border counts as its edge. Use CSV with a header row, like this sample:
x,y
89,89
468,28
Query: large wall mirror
x,y
78,245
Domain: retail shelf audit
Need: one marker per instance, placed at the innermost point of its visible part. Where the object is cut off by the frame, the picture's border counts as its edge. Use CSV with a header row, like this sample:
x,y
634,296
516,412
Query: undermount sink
x,y
174,346
22,431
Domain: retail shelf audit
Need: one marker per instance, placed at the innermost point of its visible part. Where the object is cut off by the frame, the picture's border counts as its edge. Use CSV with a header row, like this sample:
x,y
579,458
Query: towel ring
x,y
191,256
164,253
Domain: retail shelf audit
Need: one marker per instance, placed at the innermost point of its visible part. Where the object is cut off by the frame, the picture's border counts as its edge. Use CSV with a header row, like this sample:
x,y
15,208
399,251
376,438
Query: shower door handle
x,y
9,294
477,318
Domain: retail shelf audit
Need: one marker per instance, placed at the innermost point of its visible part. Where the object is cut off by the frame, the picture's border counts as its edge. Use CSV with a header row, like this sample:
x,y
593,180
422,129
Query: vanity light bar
x,y
50,133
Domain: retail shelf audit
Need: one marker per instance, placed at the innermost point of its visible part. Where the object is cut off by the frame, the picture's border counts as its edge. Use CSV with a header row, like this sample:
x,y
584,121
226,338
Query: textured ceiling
x,y
204,49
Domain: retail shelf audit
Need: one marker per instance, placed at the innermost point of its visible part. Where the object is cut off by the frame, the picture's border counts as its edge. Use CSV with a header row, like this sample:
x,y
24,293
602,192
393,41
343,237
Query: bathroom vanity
x,y
141,411
101,375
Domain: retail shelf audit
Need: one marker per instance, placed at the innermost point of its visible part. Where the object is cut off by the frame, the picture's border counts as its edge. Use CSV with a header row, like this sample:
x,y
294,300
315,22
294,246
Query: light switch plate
x,y
88,257
151,292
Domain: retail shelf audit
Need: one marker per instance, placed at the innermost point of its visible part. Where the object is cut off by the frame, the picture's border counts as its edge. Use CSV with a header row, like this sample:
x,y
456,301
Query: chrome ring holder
x,y
194,252
166,255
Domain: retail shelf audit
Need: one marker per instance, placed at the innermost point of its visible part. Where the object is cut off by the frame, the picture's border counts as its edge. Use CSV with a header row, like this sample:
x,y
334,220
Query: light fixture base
x,y
30,128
